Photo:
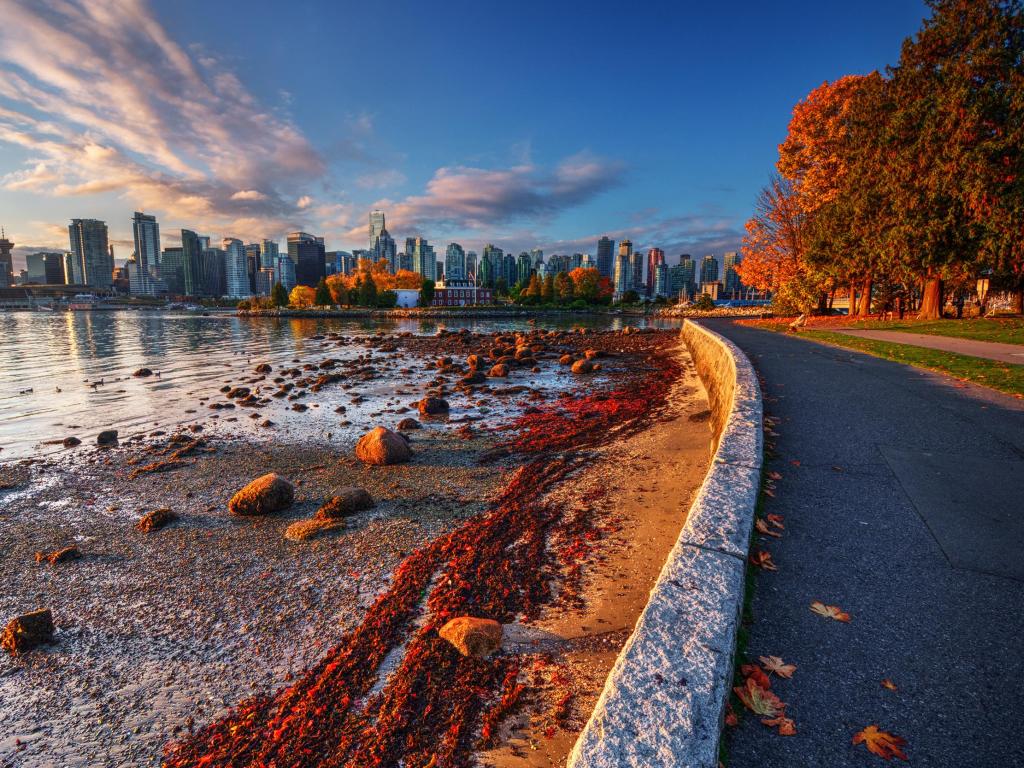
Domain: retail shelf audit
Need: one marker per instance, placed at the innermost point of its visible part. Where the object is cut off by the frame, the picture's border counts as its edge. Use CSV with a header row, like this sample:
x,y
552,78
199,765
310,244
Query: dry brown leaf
x,y
830,611
758,700
763,560
785,725
775,665
763,527
889,684
878,742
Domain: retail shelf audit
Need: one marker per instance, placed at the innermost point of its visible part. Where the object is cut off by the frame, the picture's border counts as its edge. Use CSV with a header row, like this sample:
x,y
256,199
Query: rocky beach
x,y
533,479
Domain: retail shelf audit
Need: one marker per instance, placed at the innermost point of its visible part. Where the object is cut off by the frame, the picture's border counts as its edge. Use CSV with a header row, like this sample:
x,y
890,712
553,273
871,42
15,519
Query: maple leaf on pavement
x,y
763,560
776,520
885,745
785,725
774,475
830,611
889,684
762,527
775,665
731,719
758,700
754,672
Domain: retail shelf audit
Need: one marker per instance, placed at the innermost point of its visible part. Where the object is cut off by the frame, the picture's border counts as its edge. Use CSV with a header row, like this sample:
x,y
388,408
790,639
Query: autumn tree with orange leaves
x,y
911,179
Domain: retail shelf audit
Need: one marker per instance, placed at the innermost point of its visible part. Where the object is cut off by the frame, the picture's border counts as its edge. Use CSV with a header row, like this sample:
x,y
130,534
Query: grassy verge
x,y
989,373
1008,330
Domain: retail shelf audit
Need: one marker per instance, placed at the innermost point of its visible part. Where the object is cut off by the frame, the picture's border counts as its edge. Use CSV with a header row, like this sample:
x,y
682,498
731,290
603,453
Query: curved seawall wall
x,y
664,701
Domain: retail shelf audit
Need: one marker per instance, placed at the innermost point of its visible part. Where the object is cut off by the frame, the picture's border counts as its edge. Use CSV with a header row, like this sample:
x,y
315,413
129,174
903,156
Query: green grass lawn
x,y
1008,330
990,373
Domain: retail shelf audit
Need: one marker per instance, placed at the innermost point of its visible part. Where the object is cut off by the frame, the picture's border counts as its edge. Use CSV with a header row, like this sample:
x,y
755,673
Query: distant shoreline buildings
x,y
239,270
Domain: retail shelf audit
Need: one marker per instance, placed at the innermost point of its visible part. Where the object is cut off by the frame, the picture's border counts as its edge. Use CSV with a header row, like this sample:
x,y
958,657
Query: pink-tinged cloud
x,y
462,198
103,100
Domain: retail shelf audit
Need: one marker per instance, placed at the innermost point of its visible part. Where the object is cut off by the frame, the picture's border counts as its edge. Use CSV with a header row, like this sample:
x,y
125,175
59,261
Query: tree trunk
x,y
931,300
865,299
831,300
1018,298
852,311
822,303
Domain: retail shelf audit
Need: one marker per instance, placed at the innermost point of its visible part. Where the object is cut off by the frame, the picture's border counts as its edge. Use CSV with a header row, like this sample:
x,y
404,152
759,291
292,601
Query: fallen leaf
x,y
730,716
762,527
758,700
775,665
776,520
795,462
752,671
774,475
885,745
767,492
889,684
830,611
785,725
836,469
763,560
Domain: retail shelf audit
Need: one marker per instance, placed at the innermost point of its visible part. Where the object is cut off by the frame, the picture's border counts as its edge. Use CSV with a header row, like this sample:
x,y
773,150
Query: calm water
x,y
59,356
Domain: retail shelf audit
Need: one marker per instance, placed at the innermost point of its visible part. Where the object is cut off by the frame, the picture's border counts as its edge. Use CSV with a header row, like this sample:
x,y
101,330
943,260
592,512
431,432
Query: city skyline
x,y
133,111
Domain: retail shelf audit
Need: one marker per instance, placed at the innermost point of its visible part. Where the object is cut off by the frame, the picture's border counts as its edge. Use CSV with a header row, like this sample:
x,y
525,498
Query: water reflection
x,y
70,373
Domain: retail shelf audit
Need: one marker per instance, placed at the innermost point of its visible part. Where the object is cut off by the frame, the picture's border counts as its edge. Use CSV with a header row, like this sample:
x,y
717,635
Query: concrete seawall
x,y
664,700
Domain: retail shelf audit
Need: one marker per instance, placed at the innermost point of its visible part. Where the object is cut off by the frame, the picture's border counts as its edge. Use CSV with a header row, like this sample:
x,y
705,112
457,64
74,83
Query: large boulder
x,y
472,636
27,631
382,446
432,406
304,530
263,496
348,501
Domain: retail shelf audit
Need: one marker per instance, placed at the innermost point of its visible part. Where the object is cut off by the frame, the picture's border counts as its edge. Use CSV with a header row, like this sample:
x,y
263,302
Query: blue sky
x,y
525,124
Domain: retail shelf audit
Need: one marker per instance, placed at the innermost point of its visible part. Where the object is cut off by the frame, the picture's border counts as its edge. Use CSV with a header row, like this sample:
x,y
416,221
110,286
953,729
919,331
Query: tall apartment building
x,y
145,273
655,256
306,252
236,269
606,257
92,261
454,262
6,261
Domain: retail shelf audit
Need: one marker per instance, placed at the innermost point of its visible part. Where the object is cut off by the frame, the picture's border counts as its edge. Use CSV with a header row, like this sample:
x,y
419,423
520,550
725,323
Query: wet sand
x,y
162,632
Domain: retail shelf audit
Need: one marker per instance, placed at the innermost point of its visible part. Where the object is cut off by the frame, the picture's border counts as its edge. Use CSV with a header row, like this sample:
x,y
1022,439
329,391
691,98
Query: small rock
x,y
59,556
382,446
430,406
107,437
155,520
408,423
142,373
263,496
348,501
264,368
565,360
472,636
71,442
499,371
27,631
582,366
304,530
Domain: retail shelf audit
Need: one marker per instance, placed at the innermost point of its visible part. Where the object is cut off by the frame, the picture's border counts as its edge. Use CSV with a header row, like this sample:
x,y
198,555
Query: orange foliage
x,y
339,285
302,296
878,742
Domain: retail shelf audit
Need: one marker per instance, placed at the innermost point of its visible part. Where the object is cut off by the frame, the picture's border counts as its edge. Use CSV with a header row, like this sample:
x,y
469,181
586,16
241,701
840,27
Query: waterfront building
x,y
471,265
511,270
709,270
212,269
460,293
455,262
286,272
486,274
676,287
655,256
733,284
377,226
191,263
172,270
605,257
268,254
524,268
424,261
622,274
636,262
661,279
306,252
91,258
6,261
146,232
236,269
265,280
44,268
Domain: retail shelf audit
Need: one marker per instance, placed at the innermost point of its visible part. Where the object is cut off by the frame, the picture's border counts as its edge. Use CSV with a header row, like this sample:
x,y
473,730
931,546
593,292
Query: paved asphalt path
x,y
907,510
993,350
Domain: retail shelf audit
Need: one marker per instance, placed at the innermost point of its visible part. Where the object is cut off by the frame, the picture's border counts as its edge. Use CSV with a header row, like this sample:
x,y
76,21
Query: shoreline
x,y
285,631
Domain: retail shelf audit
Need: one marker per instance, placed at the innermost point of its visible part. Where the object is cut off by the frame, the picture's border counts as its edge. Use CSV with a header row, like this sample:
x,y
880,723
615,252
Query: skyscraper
x,y
524,268
605,256
709,270
307,254
268,254
636,261
687,274
172,270
471,265
655,256
6,261
147,253
733,284
384,248
212,264
191,263
454,262
236,269
538,257
622,273
424,261
92,261
376,227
